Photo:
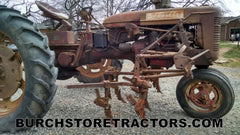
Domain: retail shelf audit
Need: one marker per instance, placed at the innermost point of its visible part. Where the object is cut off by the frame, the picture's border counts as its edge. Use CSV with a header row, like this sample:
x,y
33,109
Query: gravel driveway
x,y
78,103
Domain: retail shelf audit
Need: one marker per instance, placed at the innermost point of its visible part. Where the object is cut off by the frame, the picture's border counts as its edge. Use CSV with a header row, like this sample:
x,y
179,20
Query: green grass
x,y
232,63
233,55
226,44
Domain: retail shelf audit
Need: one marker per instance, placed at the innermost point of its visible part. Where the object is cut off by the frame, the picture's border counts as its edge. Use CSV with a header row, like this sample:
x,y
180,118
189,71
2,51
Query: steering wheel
x,y
85,12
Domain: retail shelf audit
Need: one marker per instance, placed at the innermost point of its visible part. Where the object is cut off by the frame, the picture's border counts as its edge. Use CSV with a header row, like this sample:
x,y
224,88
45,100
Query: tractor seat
x,y
50,11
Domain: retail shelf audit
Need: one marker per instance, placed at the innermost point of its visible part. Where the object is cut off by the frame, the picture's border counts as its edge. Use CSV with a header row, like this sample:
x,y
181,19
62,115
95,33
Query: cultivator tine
x,y
97,93
103,102
147,105
139,108
140,104
108,112
156,85
108,93
118,94
131,100
135,89
116,88
100,101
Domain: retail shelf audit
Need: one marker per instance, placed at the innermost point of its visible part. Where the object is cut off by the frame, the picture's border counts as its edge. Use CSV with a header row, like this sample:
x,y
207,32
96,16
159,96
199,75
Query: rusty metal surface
x,y
12,78
82,38
156,84
181,61
156,17
10,72
65,58
101,84
60,37
95,70
162,75
153,29
132,30
204,96
208,33
119,20
169,15
159,40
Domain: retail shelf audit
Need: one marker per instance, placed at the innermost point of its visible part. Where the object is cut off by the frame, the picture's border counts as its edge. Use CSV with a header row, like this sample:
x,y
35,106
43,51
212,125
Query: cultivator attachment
x,y
142,76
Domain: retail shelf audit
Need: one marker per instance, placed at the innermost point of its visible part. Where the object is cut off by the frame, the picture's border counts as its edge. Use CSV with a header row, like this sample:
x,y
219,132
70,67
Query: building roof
x,y
226,20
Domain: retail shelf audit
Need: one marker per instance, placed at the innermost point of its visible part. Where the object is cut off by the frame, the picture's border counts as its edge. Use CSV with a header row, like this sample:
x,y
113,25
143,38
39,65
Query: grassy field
x,y
231,52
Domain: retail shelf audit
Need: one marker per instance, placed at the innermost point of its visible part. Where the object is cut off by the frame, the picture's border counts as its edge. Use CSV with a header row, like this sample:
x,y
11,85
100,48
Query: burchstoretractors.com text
x,y
125,123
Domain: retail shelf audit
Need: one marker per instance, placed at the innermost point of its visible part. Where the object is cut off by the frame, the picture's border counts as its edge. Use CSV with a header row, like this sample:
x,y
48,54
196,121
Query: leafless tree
x,y
73,9
189,3
143,4
4,2
101,8
111,7
27,7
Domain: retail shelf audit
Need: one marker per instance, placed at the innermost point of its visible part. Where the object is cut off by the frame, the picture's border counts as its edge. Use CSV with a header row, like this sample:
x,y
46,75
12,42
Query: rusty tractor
x,y
161,43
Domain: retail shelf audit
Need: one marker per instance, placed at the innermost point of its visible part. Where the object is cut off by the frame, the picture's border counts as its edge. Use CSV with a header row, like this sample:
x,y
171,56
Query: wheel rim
x,y
204,96
95,70
12,76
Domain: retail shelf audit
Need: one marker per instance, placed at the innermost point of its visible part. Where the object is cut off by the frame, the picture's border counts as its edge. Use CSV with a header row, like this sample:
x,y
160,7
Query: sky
x,y
233,6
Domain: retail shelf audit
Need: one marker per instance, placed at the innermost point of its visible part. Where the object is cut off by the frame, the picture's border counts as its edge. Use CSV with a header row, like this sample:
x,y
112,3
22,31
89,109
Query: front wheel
x,y
207,95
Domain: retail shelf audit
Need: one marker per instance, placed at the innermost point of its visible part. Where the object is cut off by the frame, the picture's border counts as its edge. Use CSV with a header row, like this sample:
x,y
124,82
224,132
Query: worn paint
x,y
167,15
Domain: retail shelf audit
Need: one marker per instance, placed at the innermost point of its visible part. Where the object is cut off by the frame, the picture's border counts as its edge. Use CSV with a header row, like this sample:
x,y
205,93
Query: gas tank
x,y
157,17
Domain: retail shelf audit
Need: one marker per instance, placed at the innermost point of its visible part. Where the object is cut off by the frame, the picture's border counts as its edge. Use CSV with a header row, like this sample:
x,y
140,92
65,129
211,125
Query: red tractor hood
x,y
119,20
155,17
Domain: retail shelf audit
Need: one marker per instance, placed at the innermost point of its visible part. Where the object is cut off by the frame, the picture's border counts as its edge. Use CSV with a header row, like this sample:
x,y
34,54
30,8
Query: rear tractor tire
x,y
34,87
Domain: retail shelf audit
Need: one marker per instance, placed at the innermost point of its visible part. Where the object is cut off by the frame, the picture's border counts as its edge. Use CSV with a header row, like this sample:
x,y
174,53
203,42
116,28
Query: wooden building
x,y
230,28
